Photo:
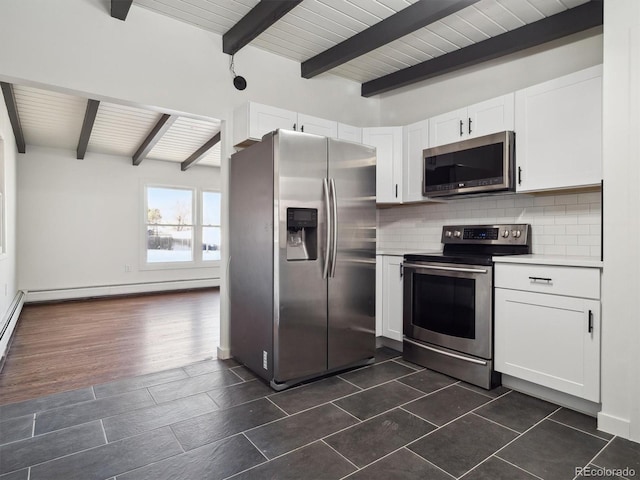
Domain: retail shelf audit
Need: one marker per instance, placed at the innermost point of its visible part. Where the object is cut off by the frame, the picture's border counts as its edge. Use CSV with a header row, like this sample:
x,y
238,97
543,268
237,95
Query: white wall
x,y
81,221
8,288
491,79
621,165
563,224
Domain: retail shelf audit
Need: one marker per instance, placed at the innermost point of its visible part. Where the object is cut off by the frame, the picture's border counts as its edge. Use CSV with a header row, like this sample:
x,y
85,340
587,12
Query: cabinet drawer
x,y
552,279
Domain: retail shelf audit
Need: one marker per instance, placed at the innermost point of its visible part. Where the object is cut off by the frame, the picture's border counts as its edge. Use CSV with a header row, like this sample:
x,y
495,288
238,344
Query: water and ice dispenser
x,y
302,234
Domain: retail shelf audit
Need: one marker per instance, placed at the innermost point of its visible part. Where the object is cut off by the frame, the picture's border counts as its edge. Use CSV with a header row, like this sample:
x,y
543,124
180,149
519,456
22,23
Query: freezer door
x,y
352,281
300,306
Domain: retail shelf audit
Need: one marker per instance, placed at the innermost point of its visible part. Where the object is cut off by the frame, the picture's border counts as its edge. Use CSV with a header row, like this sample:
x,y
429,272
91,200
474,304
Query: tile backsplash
x,y
562,224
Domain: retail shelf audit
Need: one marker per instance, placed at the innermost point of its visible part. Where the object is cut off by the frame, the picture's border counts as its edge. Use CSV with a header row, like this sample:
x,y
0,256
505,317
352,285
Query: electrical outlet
x,y
264,360
6,290
127,268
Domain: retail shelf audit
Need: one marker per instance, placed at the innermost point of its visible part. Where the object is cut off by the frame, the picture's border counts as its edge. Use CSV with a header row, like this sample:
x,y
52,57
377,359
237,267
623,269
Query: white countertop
x,y
402,252
567,261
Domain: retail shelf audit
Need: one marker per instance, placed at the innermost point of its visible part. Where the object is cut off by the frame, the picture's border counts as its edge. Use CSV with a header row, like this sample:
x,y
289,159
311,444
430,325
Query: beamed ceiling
x,y
383,44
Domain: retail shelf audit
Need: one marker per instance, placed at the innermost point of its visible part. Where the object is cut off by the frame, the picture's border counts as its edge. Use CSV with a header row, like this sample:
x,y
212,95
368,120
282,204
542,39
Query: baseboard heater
x,y
9,322
75,293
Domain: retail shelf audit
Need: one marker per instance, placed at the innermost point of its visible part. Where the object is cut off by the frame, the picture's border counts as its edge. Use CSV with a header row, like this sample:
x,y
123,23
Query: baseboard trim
x,y
224,353
124,289
9,322
614,425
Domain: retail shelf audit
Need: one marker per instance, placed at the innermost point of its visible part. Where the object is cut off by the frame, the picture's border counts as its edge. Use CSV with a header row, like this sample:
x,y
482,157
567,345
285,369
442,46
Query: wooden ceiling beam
x,y
154,137
87,127
120,8
574,20
14,117
201,152
261,17
404,22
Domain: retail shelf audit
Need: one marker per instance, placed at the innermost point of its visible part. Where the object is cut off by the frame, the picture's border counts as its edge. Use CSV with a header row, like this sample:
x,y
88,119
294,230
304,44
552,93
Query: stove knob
x,y
516,234
505,234
457,234
448,234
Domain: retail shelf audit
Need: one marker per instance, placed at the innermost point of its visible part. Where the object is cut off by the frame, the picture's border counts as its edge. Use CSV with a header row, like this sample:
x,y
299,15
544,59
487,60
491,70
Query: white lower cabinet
x,y
389,296
549,339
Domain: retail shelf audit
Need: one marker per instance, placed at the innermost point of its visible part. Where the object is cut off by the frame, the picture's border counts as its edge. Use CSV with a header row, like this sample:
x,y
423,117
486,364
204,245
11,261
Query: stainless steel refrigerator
x,y
302,232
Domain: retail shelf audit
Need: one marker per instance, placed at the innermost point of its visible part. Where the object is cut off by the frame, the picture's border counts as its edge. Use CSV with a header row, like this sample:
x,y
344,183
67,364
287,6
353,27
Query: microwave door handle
x,y
327,243
445,269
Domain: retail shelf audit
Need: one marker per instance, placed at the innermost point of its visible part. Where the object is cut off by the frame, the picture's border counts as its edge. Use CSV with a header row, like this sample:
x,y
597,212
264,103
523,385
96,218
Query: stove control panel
x,y
512,234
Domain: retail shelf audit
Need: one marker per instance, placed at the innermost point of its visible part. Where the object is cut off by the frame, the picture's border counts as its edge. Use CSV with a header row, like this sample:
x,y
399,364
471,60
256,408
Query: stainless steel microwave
x,y
477,165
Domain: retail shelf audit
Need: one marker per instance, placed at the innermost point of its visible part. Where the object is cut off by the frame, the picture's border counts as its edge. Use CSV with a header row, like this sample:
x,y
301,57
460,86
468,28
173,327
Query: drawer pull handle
x,y
590,328
540,279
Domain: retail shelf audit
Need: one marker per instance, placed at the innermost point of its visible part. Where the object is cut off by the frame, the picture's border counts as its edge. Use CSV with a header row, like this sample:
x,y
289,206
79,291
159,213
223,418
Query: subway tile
x,y
578,229
567,240
193,385
581,209
555,210
544,201
156,416
581,251
219,424
589,240
45,403
141,381
42,448
591,197
566,219
111,459
555,250
287,434
214,461
84,412
554,230
15,429
568,199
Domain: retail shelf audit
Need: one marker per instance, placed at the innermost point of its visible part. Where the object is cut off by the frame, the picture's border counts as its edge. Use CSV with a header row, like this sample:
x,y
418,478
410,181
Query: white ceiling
x,y
54,119
317,25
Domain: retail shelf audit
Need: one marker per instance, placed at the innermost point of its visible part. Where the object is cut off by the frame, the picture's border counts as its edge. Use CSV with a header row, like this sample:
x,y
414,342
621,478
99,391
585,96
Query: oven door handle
x,y
446,269
442,352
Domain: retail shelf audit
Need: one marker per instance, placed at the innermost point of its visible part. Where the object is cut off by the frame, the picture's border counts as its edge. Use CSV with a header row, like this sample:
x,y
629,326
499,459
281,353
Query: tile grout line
x,y
579,430
495,423
461,384
254,446
345,411
514,465
351,383
596,455
29,473
231,370
93,392
104,432
176,437
33,427
430,463
277,406
357,468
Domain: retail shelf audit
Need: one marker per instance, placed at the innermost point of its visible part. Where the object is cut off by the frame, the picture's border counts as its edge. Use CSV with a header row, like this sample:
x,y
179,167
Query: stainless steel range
x,y
448,300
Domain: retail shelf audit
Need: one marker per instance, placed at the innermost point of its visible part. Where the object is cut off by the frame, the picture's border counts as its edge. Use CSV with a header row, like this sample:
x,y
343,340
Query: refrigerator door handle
x,y
334,228
327,243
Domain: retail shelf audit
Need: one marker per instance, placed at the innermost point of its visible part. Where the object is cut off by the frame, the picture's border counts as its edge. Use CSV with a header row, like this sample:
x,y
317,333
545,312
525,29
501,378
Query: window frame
x,y
196,224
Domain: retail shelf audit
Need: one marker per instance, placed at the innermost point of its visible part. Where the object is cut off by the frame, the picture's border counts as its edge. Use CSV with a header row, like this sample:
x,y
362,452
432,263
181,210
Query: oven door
x,y
449,305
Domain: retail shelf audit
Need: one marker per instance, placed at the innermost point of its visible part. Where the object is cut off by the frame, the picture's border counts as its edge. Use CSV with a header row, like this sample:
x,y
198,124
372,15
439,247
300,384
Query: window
x,y
182,226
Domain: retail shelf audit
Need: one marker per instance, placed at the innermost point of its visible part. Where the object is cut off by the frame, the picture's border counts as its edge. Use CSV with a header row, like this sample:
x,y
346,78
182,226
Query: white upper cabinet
x,y
349,132
388,143
317,126
252,121
416,139
490,116
559,132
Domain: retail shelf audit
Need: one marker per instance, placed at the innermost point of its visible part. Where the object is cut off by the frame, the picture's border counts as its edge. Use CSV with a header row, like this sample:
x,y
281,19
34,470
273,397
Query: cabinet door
x,y
318,126
388,143
416,140
252,121
447,128
491,116
559,132
548,340
349,132
392,298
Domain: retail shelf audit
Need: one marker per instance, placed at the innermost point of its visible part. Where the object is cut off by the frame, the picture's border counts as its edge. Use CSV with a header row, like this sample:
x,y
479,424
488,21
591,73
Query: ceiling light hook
x,y
239,82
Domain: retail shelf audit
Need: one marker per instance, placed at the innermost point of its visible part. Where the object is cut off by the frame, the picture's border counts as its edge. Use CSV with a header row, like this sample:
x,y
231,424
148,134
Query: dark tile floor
x,y
215,420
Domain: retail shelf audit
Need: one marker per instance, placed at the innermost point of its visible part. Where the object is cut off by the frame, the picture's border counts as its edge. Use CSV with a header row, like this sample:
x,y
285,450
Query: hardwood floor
x,y
69,345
